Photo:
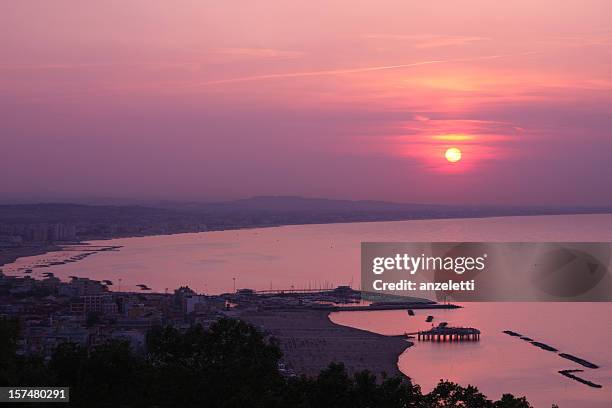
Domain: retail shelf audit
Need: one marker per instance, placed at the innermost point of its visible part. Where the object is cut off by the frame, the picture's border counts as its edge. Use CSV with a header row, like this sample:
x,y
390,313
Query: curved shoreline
x,y
310,340
39,250
13,254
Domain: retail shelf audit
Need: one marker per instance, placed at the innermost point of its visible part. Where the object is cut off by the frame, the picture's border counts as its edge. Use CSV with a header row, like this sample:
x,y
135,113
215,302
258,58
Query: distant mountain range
x,y
304,204
296,203
272,204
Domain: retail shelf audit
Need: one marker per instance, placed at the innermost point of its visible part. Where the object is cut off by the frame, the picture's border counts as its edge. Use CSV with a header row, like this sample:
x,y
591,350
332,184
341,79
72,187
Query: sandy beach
x,y
310,341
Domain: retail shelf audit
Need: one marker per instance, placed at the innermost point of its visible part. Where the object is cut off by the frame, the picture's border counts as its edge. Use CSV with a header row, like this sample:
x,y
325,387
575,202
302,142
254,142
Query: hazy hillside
x,y
102,221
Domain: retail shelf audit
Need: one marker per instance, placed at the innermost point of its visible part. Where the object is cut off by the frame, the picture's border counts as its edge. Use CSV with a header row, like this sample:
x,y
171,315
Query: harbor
x,y
426,362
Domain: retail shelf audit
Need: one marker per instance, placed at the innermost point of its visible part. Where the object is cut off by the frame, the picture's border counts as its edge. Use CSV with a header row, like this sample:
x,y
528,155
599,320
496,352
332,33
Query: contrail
x,y
317,73
349,70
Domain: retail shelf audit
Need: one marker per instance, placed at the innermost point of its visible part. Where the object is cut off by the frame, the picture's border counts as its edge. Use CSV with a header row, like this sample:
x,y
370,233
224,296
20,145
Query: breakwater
x,y
566,373
578,360
392,306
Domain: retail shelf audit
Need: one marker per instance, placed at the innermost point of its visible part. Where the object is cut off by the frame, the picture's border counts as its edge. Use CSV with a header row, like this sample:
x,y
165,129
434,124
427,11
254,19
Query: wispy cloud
x,y
81,65
351,70
317,73
603,39
427,40
259,53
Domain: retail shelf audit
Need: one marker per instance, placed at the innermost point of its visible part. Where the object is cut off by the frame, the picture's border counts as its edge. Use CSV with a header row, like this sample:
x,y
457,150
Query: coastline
x,y
10,255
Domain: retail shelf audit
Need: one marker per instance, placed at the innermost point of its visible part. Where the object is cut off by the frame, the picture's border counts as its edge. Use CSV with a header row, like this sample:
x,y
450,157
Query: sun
x,y
453,155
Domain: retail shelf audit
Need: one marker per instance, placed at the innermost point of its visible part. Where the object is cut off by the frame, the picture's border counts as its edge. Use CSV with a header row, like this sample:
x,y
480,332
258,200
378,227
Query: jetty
x,y
548,347
568,374
543,346
390,306
578,360
446,333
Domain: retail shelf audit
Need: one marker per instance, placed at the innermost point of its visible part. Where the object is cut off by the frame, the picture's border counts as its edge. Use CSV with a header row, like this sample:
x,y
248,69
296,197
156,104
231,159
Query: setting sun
x,y
453,155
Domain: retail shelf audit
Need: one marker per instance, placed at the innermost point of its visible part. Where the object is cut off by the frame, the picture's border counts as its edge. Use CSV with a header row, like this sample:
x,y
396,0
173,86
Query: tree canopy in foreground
x,y
230,365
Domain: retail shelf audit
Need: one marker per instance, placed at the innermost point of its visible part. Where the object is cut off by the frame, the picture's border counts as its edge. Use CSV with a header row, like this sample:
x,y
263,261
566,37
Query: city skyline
x,y
195,102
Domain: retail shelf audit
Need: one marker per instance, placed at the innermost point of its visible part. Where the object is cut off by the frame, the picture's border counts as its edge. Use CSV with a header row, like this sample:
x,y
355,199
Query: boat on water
x,y
410,312
429,319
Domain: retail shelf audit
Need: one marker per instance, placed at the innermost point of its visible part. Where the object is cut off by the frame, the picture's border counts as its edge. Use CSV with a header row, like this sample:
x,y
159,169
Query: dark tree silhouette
x,y
230,365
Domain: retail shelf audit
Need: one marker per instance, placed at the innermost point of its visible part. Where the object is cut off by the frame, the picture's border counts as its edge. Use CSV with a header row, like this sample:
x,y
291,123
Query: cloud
x,y
263,53
108,64
351,70
428,40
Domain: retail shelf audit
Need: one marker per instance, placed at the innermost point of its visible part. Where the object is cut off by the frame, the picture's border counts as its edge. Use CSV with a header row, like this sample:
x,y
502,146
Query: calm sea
x,y
313,256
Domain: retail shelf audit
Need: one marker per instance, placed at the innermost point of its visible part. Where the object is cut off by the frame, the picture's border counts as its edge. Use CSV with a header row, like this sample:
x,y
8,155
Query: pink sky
x,y
213,100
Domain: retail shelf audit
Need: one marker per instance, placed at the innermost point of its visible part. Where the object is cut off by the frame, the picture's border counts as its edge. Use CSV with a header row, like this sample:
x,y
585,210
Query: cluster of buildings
x,y
18,234
84,311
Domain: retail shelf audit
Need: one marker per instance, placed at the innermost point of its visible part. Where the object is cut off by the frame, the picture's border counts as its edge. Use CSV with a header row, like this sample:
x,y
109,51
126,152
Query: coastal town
x,y
90,312
86,312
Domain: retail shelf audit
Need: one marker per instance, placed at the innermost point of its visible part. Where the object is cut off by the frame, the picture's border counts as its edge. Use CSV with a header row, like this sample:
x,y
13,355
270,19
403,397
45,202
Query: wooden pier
x,y
445,333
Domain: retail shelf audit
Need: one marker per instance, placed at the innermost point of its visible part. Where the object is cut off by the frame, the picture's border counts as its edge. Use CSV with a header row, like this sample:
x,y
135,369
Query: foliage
x,y
230,365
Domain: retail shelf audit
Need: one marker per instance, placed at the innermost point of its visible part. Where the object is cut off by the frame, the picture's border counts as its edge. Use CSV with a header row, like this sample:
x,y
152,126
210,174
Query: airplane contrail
x,y
350,70
317,73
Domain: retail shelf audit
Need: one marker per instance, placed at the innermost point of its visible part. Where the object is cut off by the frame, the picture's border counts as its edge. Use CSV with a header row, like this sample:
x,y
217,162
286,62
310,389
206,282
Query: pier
x,y
394,306
445,333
